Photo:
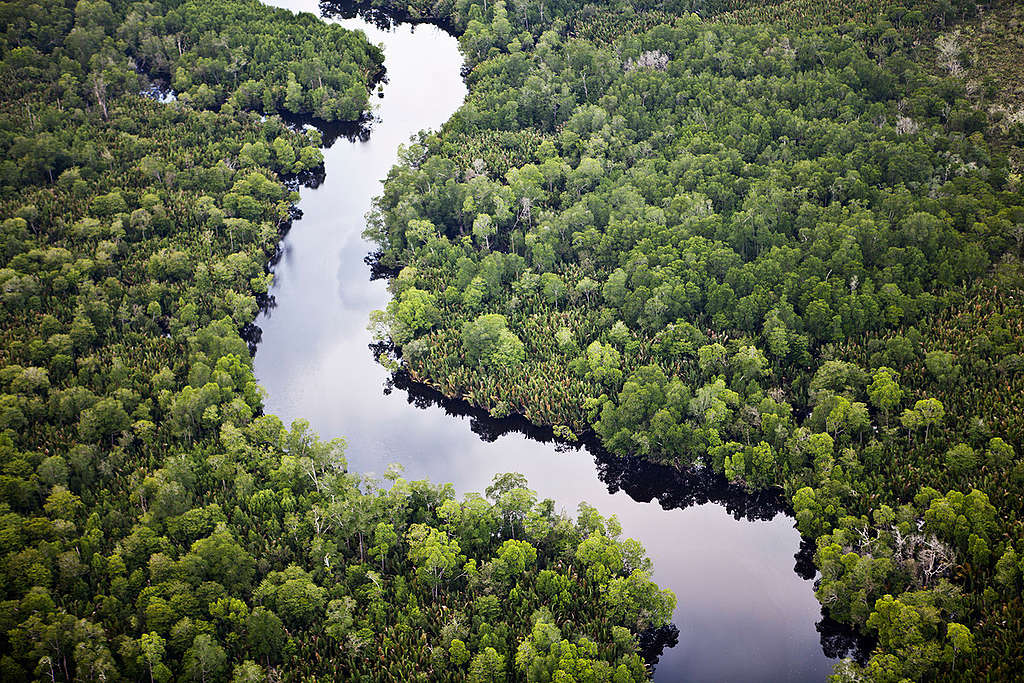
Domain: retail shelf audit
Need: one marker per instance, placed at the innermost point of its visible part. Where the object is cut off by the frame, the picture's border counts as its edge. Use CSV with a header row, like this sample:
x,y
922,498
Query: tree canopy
x,y
774,241
154,522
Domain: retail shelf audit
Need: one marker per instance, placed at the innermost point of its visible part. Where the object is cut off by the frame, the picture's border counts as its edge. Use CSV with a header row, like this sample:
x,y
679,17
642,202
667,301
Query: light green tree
x,y
153,648
488,342
434,554
487,667
884,392
206,660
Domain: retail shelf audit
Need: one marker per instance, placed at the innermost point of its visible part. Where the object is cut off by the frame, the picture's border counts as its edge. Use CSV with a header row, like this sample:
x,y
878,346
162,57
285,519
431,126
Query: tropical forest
x,y
511,340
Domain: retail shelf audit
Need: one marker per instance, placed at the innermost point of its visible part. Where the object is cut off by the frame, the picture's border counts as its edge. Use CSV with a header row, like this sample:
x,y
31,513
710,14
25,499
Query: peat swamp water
x,y
744,612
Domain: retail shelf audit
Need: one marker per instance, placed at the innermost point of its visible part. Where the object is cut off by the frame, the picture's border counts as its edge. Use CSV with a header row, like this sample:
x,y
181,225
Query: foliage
x,y
153,522
255,57
763,233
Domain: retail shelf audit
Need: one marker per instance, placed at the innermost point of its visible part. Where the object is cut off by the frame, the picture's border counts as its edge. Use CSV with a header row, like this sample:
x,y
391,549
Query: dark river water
x,y
746,610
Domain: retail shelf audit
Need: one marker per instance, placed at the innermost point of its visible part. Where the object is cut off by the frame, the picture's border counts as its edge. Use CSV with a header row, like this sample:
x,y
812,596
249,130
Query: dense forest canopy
x,y
780,241
154,523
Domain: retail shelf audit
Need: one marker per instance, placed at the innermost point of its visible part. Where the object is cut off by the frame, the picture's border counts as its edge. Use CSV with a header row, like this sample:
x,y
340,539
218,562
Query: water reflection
x,y
743,613
840,641
382,14
645,482
332,131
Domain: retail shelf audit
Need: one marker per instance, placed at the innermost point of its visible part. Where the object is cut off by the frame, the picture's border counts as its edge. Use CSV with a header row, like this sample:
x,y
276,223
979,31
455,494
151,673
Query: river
x,y
743,612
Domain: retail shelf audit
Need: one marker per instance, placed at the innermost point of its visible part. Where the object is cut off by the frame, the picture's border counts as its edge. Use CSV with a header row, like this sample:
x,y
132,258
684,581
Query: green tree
x,y
220,558
458,654
415,313
487,341
484,229
960,639
884,391
434,554
487,667
961,459
248,672
293,594
513,559
104,420
153,650
384,539
206,659
942,366
265,635
931,411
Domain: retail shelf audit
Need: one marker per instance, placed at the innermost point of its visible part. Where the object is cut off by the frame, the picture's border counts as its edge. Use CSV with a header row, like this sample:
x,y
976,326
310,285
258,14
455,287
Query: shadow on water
x,y
645,482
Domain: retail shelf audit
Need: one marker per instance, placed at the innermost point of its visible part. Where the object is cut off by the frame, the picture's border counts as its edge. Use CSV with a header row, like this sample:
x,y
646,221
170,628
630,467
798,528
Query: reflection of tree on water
x,y
839,641
654,641
645,481
384,14
332,131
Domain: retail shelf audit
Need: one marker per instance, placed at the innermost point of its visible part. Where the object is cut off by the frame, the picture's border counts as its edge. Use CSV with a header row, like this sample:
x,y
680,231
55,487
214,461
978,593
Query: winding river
x,y
744,612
